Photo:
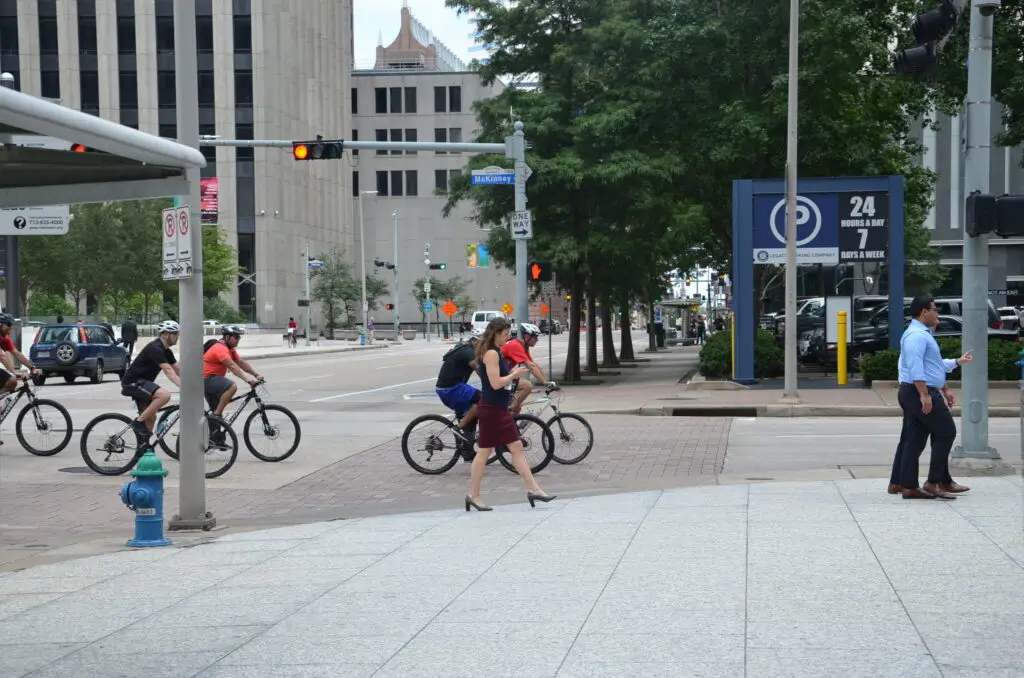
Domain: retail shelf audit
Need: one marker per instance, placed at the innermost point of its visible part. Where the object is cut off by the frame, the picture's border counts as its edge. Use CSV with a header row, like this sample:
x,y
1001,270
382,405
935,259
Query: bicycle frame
x,y
548,401
14,397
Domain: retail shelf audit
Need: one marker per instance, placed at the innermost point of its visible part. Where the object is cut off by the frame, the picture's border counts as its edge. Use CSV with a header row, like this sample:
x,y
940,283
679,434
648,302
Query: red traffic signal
x,y
540,271
389,307
78,148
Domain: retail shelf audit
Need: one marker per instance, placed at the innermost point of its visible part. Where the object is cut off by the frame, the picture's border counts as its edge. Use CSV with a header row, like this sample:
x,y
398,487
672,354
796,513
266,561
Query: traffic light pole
x,y
974,451
395,263
309,301
513,148
791,391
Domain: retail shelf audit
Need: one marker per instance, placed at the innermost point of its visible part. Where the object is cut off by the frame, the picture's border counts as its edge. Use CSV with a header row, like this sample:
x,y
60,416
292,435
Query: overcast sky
x,y
373,17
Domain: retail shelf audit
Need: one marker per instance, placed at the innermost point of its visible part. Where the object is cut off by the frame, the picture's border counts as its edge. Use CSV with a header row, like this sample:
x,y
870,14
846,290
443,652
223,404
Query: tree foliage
x,y
338,290
113,252
647,110
441,291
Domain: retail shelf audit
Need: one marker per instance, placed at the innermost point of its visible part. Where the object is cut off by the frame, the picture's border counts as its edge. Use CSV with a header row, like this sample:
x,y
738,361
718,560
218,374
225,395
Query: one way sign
x,y
522,226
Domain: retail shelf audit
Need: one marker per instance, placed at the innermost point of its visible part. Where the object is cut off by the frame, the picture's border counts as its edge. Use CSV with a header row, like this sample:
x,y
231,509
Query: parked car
x,y
1010,317
74,351
550,327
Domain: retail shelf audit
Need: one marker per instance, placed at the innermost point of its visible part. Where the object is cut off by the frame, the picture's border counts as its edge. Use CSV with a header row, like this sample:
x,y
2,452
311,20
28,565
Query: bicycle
x,y
116,444
435,445
43,425
557,424
270,431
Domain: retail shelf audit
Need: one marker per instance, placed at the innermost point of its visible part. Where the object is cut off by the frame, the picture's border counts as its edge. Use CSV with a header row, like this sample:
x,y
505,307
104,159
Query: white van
x,y
481,318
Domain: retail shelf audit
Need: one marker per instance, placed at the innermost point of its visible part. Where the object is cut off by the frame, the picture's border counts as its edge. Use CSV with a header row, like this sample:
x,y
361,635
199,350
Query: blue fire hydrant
x,y
145,496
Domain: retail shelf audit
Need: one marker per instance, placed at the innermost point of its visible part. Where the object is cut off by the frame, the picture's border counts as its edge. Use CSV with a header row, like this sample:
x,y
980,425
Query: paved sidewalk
x,y
791,579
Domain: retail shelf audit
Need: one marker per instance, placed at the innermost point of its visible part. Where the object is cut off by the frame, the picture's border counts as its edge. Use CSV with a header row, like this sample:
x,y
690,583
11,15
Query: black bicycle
x,y
44,422
263,420
119,450
436,447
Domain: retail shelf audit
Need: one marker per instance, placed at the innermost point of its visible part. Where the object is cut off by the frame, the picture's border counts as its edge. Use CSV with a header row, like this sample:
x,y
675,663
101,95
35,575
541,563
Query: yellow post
x,y
732,331
841,348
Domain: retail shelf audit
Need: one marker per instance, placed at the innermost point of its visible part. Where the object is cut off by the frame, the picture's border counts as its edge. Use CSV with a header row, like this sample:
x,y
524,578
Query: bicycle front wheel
x,y
51,421
220,452
574,439
161,424
430,439
111,438
538,450
278,426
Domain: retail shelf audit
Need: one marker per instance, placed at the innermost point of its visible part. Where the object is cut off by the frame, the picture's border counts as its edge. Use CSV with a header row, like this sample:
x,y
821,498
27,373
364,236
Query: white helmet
x,y
476,334
168,326
530,329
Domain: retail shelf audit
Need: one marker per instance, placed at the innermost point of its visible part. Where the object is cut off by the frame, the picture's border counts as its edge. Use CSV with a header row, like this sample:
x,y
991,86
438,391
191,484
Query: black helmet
x,y
232,330
6,319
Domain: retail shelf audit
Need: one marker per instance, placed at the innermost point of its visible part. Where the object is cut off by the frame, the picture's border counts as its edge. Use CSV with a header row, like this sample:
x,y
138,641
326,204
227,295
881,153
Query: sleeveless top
x,y
496,397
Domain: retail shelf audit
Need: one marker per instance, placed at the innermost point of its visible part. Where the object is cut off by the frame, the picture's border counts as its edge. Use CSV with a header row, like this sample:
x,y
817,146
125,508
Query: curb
x,y
301,353
785,411
882,385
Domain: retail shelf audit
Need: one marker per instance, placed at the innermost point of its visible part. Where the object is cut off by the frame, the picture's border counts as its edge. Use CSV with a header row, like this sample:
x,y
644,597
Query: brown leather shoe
x,y
954,487
916,493
939,493
894,488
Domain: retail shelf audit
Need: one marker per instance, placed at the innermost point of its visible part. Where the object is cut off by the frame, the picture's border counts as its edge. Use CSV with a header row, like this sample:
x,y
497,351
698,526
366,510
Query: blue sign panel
x,y
427,306
493,179
817,224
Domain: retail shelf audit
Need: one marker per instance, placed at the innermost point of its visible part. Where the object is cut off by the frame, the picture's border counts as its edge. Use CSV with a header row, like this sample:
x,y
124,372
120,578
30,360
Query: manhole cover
x,y
76,469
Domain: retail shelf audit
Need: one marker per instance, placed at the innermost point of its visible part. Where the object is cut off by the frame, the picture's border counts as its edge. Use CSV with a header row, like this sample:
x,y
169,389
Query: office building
x,y
418,90
267,69
942,154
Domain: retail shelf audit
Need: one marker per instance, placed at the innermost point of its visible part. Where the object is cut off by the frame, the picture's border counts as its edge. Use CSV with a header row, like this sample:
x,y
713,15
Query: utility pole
x,y
192,513
394,262
309,301
518,155
12,274
791,392
974,450
426,286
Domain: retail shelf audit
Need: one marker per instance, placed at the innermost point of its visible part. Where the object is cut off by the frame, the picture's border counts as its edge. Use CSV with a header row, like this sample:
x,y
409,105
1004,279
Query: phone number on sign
x,y
56,221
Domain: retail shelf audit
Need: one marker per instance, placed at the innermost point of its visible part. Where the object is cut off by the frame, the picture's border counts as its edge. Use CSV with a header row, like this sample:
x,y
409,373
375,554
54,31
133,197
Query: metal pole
x,y
791,390
309,307
362,263
551,333
395,262
192,493
426,297
977,111
519,158
11,274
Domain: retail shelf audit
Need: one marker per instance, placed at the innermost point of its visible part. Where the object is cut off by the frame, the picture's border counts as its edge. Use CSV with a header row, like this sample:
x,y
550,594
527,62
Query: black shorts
x,y
140,390
5,377
214,387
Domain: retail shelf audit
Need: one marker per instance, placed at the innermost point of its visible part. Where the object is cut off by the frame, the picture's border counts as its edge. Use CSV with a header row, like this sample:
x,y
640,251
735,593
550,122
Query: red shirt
x,y
6,344
515,352
292,324
213,360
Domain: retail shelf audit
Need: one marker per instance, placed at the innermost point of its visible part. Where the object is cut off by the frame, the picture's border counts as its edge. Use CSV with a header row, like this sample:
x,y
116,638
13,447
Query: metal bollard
x,y
145,496
841,348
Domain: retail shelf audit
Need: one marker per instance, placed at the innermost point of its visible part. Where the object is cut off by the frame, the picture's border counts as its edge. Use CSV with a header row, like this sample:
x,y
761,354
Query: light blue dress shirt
x,y
920,358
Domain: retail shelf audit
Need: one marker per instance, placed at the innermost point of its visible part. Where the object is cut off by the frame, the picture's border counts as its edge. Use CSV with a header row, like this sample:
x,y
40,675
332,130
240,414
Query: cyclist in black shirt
x,y
457,366
139,380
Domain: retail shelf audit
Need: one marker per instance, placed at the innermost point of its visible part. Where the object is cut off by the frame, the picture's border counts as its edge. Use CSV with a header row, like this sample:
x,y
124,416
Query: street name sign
x,y
492,175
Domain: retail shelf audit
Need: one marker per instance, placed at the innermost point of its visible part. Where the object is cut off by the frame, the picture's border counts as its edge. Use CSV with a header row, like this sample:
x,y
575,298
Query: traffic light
x,y
389,307
438,267
1003,216
689,280
929,30
318,149
540,271
78,148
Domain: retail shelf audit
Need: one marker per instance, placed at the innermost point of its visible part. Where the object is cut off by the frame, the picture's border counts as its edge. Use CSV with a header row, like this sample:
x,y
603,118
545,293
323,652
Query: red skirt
x,y
496,426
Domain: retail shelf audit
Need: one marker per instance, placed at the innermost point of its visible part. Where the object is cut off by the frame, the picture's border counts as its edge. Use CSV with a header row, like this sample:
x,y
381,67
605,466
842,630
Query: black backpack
x,y
453,349
208,344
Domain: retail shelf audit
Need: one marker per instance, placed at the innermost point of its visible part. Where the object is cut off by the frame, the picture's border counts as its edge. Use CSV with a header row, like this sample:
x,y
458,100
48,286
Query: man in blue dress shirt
x,y
925,401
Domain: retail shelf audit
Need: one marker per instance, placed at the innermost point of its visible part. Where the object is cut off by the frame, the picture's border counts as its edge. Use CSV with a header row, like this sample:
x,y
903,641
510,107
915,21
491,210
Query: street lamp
x,y
394,215
362,253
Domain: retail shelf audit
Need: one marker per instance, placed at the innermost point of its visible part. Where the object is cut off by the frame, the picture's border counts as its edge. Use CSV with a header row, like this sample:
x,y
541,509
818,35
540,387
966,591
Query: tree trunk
x,y
571,373
626,325
652,341
607,335
591,334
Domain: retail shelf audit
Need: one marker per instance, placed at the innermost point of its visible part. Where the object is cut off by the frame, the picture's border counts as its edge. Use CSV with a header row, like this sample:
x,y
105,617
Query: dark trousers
x,y
129,346
917,427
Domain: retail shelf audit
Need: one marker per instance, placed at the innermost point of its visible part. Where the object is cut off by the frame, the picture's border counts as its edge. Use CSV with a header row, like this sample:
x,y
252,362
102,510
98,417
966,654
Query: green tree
x,y
45,304
332,286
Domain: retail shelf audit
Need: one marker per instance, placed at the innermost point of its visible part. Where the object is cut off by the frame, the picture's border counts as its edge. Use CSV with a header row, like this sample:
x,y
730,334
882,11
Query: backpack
x,y
453,349
208,344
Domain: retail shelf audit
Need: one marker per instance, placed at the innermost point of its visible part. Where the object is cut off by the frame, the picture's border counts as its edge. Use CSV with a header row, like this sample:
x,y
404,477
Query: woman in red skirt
x,y
495,423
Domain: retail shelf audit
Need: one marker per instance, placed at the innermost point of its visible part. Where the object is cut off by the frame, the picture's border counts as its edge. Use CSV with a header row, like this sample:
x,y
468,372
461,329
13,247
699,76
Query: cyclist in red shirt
x,y
217,360
517,352
9,379
293,331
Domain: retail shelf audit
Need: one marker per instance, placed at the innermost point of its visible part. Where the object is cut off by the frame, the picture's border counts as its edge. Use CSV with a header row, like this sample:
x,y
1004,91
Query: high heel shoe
x,y
478,507
531,497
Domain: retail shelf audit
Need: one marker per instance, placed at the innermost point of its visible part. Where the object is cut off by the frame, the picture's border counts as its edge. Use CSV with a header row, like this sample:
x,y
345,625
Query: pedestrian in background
x,y
129,335
925,401
494,420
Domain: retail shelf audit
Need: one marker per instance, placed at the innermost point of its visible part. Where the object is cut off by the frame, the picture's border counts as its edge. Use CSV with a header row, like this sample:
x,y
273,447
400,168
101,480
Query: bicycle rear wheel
x,y
111,442
569,429
438,442
215,446
538,452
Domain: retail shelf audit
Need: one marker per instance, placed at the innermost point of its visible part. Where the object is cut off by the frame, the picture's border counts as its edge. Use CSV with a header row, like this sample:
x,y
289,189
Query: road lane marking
x,y
371,390
390,367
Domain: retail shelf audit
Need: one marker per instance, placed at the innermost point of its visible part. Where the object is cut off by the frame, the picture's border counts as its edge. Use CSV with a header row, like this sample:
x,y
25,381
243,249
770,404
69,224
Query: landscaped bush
x,y
883,366
716,356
